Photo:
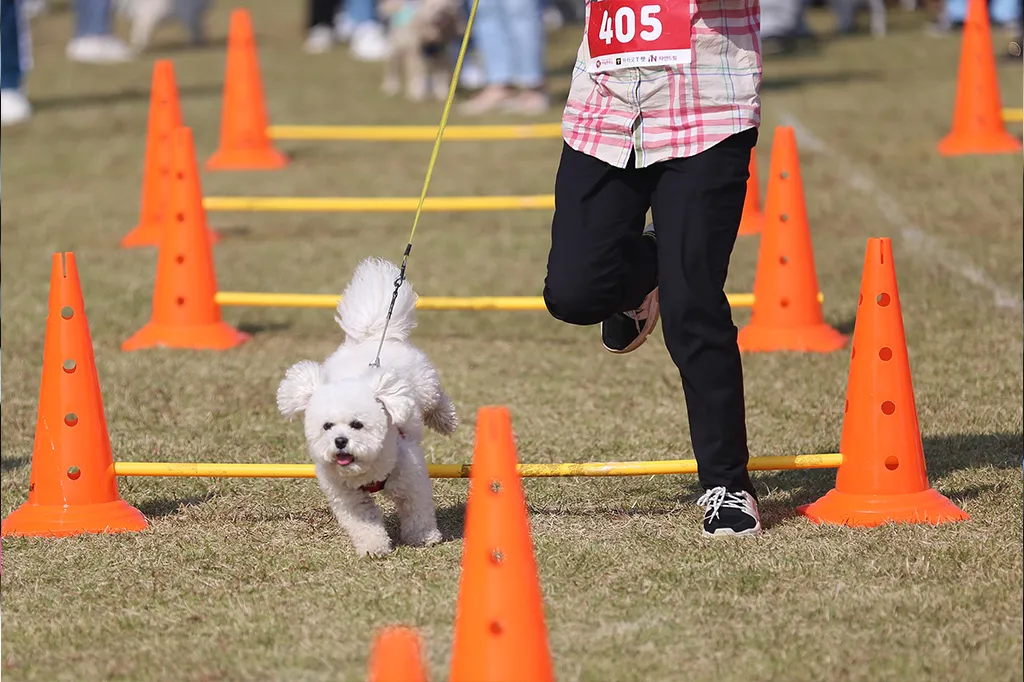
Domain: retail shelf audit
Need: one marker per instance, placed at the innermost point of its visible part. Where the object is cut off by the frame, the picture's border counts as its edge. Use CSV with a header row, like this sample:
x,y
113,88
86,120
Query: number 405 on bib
x,y
630,33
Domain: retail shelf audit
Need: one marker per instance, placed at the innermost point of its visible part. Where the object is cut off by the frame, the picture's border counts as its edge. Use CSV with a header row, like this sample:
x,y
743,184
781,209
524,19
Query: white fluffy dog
x,y
364,424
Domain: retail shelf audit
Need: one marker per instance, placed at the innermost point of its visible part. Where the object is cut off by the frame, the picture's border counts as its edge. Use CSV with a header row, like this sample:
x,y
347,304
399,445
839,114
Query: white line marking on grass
x,y
919,240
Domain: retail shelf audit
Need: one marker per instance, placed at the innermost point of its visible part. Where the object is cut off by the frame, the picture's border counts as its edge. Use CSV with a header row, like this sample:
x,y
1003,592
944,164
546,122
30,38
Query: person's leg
x,y
320,20
599,264
527,35
14,60
696,205
92,18
954,12
1005,13
369,43
10,54
491,35
94,41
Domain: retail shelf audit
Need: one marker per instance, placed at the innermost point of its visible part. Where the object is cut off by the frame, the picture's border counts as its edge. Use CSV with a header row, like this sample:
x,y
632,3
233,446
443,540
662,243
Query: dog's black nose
x,y
340,442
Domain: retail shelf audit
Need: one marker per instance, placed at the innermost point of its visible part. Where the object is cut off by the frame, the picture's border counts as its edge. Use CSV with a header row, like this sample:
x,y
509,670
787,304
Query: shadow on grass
x,y
12,463
100,99
451,521
179,46
164,507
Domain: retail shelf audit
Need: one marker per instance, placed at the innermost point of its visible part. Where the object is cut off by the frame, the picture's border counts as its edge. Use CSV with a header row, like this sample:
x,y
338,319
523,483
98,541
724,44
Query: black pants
x,y
321,12
599,264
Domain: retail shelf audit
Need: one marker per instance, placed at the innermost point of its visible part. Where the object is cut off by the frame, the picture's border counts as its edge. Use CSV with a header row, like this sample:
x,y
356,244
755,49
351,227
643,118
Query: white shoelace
x,y
716,498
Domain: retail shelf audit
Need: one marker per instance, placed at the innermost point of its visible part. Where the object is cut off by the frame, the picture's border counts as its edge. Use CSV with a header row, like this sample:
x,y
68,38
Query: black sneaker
x,y
625,332
729,513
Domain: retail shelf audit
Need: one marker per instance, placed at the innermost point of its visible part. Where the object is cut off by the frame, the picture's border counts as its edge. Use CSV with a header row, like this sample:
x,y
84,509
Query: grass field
x,y
252,580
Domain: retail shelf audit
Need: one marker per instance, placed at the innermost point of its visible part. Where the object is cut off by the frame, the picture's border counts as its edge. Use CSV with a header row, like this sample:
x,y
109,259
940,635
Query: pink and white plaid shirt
x,y
668,112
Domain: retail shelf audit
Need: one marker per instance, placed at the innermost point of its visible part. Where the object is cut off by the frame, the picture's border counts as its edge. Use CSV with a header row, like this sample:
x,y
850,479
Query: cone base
x,y
866,511
751,224
815,338
214,336
149,235
994,142
247,159
59,521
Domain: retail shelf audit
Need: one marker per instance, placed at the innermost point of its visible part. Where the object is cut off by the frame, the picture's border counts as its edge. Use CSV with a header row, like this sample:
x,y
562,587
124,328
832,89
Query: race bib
x,y
628,33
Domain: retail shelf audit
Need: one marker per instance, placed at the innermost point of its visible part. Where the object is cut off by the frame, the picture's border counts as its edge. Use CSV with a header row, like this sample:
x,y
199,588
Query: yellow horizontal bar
x,y
1013,115
519,303
416,133
649,468
380,204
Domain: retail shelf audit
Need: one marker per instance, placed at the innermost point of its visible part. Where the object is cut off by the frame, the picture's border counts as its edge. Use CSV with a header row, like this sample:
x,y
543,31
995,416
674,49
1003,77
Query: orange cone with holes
x,y
977,114
185,312
72,488
882,478
500,634
164,118
752,221
396,657
787,311
244,142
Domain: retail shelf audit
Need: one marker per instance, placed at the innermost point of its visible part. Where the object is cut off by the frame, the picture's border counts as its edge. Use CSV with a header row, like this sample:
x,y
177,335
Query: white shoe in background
x,y
369,43
98,50
14,107
319,39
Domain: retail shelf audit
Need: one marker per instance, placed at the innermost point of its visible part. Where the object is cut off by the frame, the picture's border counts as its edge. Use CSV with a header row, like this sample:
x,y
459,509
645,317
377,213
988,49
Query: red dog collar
x,y
377,486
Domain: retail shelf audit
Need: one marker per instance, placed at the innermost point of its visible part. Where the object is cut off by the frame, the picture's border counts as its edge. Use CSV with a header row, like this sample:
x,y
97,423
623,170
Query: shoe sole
x,y
649,325
729,532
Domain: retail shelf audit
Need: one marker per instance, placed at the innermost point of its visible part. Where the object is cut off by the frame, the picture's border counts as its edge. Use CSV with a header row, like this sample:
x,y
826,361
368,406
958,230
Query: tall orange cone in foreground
x,y
72,488
882,477
396,657
787,312
185,313
244,143
977,112
164,119
752,221
500,634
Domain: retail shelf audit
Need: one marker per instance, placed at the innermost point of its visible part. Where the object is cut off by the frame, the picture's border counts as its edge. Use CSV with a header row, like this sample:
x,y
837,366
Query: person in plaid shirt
x,y
662,115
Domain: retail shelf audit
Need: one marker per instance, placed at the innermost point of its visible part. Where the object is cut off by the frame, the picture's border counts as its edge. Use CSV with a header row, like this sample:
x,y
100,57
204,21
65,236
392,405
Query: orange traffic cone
x,y
500,633
396,657
185,313
72,488
752,221
164,118
244,143
977,114
787,312
882,477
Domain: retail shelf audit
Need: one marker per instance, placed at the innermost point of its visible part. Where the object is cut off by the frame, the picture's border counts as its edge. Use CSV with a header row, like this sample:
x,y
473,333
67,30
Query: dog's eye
x,y
328,426
356,425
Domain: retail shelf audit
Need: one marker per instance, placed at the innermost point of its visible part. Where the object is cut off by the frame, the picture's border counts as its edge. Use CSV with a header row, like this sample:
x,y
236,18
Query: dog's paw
x,y
373,548
421,537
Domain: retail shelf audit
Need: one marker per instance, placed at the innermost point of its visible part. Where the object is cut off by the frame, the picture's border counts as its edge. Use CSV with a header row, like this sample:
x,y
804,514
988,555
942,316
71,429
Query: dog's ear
x,y
297,387
396,396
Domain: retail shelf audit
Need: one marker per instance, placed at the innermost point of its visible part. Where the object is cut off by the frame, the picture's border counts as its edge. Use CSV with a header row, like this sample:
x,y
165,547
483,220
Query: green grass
x,y
252,580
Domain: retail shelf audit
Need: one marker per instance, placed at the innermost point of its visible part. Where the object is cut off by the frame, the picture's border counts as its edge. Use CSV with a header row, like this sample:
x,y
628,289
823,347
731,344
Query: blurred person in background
x,y
15,61
357,23
783,23
1003,14
509,35
94,41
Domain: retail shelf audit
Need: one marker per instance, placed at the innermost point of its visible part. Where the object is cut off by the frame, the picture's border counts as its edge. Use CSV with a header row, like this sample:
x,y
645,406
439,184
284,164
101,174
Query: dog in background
x,y
364,423
147,15
419,34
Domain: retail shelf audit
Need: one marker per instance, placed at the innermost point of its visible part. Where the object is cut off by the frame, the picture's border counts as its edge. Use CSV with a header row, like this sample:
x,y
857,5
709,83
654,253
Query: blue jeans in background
x,y
999,11
509,36
92,18
361,11
12,59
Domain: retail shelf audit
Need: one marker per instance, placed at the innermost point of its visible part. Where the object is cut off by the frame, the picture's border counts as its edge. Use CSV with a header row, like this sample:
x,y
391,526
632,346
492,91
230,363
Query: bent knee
x,y
576,303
